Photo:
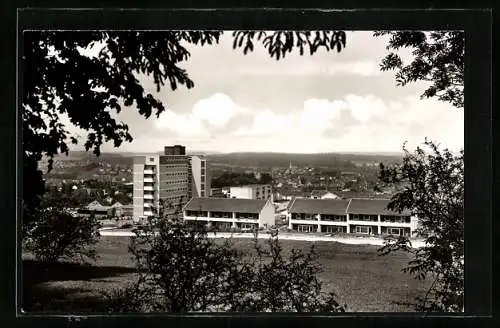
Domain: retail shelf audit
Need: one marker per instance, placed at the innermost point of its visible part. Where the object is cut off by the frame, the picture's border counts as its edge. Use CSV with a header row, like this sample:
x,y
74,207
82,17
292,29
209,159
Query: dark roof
x,y
320,206
225,205
371,206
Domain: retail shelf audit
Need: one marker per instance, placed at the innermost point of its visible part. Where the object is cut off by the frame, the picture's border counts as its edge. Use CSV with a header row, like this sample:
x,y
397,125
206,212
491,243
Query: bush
x,y
182,270
59,235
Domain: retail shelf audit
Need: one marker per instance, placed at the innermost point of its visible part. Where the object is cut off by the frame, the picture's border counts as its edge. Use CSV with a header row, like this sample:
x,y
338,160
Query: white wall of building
x,y
196,176
200,180
266,216
138,191
142,168
251,192
241,192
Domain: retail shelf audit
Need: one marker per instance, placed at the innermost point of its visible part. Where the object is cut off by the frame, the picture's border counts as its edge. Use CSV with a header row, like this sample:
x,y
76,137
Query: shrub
x,y
59,235
181,270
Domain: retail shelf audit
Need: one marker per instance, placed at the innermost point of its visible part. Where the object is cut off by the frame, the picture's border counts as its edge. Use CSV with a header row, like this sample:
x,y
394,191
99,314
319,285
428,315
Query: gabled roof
x,y
371,206
320,206
225,205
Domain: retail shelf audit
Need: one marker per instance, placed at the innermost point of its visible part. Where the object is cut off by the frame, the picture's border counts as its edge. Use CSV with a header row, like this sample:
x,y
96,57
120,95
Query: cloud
x,y
319,114
352,123
316,116
217,110
267,123
363,108
206,115
184,125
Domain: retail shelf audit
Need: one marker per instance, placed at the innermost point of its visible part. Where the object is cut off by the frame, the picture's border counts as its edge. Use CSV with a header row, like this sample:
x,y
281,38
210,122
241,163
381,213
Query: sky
x,y
328,102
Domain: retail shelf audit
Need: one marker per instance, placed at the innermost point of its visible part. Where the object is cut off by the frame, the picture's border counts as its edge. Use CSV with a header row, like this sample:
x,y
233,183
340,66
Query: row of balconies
x,y
200,218
348,218
230,216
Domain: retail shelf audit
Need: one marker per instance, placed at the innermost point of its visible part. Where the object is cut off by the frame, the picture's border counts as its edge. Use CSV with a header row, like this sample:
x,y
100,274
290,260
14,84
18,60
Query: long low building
x,y
226,213
363,216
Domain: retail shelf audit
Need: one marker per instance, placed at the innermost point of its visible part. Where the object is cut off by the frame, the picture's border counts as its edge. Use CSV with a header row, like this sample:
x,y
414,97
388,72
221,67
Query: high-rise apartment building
x,y
171,179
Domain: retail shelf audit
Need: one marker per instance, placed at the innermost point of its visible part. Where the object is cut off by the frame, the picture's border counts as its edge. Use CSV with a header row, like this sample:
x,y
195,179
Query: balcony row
x,y
351,218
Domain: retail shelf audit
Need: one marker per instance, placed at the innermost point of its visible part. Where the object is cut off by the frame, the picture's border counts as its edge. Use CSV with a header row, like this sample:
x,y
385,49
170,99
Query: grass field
x,y
363,280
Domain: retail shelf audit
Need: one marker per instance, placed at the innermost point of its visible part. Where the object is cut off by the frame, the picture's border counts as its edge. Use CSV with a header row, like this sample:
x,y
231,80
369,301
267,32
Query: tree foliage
x,y
438,59
182,270
59,235
433,181
227,179
59,78
279,43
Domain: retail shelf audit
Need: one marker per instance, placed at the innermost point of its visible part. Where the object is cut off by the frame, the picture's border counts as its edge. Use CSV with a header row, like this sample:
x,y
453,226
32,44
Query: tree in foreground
x,y
438,58
180,269
433,181
58,235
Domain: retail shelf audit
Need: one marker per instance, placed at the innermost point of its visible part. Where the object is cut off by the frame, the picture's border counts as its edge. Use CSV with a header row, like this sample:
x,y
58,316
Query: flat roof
x,y
225,205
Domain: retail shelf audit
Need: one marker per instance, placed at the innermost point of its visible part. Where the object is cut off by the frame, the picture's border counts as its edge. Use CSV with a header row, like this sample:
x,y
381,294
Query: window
x,y
333,229
151,159
363,229
305,228
394,231
248,226
202,171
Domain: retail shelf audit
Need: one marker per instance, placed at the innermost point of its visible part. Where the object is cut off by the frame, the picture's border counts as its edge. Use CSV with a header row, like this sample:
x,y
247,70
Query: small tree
x,y
59,235
282,283
182,270
434,192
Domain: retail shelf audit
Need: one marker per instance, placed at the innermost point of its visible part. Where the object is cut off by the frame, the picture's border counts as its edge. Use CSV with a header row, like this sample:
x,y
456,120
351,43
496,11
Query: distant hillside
x,y
251,160
301,160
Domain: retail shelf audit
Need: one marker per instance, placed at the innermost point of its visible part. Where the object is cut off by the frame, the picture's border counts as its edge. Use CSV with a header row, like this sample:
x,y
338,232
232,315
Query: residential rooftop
x,y
371,206
343,206
225,205
319,206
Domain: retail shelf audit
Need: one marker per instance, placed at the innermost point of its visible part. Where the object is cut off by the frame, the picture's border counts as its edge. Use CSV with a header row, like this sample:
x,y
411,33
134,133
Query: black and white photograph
x,y
242,171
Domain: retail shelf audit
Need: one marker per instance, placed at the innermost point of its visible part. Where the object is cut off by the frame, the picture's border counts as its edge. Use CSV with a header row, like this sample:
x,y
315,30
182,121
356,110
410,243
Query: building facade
x,y
200,182
167,181
361,216
256,191
226,213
